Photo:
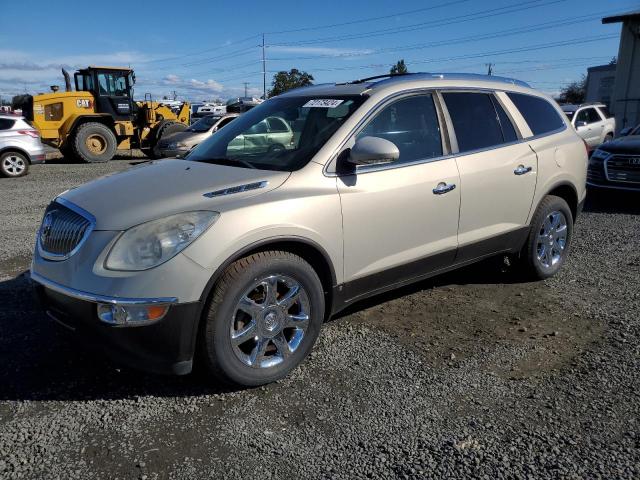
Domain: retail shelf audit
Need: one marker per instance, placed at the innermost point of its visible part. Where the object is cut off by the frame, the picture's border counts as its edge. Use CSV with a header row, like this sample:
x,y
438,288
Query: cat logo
x,y
84,103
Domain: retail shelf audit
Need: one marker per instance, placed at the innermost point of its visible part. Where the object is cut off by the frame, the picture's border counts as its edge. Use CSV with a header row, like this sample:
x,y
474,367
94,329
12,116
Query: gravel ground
x,y
469,375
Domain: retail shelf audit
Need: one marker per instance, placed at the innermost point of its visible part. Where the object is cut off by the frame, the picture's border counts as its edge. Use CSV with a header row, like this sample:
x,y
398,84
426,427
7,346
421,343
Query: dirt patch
x,y
480,309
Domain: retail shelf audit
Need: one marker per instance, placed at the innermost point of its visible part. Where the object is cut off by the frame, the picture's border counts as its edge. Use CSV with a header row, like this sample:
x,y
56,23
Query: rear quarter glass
x,y
540,115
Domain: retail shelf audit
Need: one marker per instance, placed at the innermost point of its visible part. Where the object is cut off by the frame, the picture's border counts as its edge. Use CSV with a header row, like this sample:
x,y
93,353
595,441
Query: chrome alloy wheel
x,y
13,165
270,321
552,239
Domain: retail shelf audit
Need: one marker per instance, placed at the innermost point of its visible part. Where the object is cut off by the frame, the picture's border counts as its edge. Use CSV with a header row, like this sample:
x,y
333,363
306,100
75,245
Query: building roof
x,y
632,15
603,68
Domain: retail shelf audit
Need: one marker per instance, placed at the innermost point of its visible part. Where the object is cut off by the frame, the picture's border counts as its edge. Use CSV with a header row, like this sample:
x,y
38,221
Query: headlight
x,y
153,243
600,154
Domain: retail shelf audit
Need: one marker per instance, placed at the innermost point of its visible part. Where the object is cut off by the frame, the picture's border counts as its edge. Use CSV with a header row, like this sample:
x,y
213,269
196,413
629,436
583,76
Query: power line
x,y
530,4
573,41
220,47
472,38
370,19
493,12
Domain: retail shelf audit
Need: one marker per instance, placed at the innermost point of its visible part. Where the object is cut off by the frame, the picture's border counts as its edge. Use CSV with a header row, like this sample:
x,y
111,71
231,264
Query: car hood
x,y
157,189
626,145
186,137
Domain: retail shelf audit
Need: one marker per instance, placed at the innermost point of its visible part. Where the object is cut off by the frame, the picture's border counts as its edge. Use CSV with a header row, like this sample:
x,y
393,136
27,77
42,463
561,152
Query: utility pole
x,y
489,68
246,84
264,71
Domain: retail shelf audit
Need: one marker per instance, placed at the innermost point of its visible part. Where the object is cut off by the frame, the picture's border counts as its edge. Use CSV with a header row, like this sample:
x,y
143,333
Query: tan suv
x,y
235,257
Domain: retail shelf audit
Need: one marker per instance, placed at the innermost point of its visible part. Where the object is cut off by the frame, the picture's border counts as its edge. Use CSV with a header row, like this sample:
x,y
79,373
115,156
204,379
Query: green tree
x,y
575,92
399,67
294,78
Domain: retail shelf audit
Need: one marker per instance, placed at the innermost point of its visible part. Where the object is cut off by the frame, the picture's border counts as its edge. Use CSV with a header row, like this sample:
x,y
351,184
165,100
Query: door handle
x,y
443,188
521,170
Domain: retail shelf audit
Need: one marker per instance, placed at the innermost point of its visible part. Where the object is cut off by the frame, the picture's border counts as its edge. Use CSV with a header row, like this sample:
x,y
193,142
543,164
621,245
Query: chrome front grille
x,y
623,168
64,228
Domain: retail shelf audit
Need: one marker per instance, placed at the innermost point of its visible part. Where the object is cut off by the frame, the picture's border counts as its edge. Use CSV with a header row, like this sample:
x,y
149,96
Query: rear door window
x,y
475,120
6,124
593,116
539,114
276,125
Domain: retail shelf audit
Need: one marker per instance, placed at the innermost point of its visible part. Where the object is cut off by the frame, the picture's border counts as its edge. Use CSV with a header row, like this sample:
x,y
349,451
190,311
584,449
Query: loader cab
x,y
111,87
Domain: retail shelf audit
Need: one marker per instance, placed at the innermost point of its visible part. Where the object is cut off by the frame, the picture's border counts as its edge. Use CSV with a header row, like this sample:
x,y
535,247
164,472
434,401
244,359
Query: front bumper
x,y
166,346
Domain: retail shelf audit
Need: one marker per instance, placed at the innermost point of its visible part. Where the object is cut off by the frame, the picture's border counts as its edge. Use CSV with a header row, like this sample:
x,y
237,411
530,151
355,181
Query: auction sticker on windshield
x,y
323,103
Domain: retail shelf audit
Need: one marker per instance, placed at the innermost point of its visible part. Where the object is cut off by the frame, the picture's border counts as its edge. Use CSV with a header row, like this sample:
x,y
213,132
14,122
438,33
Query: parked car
x,y
234,257
592,121
20,146
616,164
209,109
630,131
270,134
180,143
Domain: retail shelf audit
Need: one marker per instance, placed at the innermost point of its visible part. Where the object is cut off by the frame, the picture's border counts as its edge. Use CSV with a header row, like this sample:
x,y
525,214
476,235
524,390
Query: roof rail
x,y
448,76
375,77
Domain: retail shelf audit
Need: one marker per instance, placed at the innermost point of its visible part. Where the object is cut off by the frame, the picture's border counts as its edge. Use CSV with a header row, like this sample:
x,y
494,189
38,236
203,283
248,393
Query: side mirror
x,y
373,151
581,123
625,131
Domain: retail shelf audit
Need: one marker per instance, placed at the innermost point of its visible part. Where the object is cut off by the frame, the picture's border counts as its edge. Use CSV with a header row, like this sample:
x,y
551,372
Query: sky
x,y
205,50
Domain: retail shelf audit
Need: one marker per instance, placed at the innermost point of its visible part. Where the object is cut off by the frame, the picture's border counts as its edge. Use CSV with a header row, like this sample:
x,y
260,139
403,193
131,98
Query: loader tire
x,y
165,128
94,143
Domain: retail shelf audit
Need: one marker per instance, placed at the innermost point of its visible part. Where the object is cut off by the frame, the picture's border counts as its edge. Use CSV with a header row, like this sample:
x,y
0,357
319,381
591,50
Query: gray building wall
x,y
600,84
626,93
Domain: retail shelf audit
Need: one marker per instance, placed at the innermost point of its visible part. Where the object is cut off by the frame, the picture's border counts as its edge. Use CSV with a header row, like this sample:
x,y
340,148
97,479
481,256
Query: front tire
x,y
94,143
265,315
13,164
549,238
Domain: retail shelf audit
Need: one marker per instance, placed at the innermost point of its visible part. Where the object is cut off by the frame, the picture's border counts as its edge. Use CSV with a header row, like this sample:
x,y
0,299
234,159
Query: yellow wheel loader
x,y
101,116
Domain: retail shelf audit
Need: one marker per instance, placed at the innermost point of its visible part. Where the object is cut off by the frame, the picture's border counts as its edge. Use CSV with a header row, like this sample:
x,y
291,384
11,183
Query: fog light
x,y
130,315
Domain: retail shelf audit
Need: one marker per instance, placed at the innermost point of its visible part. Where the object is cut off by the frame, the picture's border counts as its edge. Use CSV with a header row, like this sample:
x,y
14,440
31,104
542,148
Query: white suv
x,y
592,121
235,256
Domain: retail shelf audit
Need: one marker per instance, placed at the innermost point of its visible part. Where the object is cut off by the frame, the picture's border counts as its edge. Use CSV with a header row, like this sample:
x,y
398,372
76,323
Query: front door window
x,y
112,84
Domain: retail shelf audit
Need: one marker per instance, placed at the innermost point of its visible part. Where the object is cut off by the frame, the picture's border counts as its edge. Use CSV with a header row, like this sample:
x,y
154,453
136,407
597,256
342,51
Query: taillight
x,y
586,146
31,133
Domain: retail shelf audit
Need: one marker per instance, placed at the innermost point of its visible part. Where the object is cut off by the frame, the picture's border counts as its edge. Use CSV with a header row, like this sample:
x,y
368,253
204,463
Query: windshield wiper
x,y
227,161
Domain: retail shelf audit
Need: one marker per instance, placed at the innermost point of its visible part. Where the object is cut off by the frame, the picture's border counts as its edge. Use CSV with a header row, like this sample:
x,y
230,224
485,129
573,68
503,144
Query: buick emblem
x,y
45,229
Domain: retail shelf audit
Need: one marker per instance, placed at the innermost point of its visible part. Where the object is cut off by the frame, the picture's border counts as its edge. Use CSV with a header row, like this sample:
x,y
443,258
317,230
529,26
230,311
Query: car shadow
x,y
43,361
612,201
492,271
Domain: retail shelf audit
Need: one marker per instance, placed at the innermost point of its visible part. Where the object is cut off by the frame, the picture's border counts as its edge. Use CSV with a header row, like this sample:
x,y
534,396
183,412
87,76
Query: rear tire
x,y
608,137
250,335
94,143
13,165
549,238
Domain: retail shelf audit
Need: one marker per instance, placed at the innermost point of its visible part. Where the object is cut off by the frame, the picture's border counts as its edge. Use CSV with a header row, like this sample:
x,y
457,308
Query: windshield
x,y
283,133
204,124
